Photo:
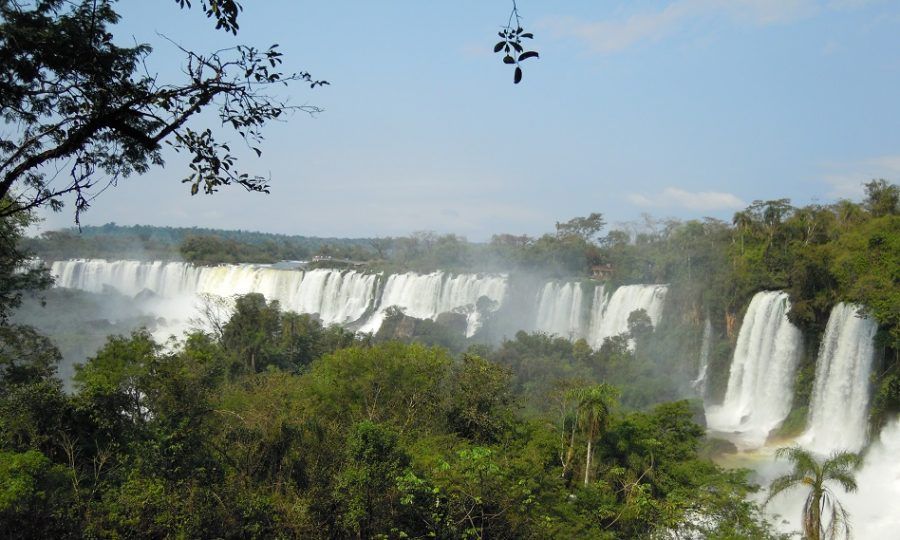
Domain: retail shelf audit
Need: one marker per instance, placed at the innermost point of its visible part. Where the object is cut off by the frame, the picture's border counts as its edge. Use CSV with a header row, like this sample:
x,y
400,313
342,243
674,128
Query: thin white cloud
x,y
672,197
640,200
851,4
614,35
846,180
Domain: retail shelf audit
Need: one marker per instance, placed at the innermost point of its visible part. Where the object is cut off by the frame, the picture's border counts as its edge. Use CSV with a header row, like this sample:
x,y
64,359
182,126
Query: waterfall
x,y
559,310
760,385
840,398
874,507
360,299
336,296
700,382
425,296
609,316
128,277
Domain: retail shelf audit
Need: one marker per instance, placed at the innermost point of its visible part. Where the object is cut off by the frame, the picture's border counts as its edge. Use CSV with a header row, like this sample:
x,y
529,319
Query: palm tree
x,y
595,405
821,501
743,222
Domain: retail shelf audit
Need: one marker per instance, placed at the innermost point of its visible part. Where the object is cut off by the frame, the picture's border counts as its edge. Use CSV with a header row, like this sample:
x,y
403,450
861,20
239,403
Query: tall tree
x,y
821,502
586,228
882,198
595,405
252,332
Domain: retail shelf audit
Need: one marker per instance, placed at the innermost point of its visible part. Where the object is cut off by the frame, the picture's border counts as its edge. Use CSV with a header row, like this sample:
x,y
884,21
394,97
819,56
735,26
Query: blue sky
x,y
685,108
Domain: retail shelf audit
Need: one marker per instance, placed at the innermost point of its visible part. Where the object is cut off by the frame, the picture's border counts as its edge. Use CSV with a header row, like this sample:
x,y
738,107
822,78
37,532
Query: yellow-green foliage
x,y
374,441
867,267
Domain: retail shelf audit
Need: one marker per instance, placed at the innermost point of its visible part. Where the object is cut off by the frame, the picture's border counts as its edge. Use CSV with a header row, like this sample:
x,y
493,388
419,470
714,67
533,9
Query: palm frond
x,y
843,461
839,523
844,478
783,483
821,501
804,461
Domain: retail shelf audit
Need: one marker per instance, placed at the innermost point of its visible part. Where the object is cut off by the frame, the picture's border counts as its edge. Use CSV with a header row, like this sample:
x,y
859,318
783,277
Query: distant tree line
x,y
194,244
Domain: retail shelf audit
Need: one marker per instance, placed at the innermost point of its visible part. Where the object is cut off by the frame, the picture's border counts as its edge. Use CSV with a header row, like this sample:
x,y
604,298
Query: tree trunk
x,y
570,452
813,526
587,463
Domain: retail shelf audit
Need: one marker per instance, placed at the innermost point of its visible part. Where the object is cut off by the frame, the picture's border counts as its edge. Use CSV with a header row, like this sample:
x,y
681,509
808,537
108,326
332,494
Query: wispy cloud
x,y
851,4
846,180
672,197
613,35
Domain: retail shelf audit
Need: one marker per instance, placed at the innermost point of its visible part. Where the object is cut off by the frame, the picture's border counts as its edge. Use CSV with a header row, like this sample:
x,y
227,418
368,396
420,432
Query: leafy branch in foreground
x,y
225,12
80,111
511,43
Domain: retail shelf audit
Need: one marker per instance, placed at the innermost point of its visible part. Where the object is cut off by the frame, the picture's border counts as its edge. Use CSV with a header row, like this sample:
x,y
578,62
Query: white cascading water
x,y
700,382
598,306
559,310
872,507
609,316
425,296
337,296
759,394
840,397
128,277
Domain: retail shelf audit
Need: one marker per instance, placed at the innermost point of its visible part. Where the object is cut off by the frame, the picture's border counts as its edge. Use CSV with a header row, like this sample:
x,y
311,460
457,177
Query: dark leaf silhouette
x,y
511,44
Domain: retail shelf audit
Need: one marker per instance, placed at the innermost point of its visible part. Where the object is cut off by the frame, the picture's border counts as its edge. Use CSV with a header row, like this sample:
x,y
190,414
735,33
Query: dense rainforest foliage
x,y
273,426
268,424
